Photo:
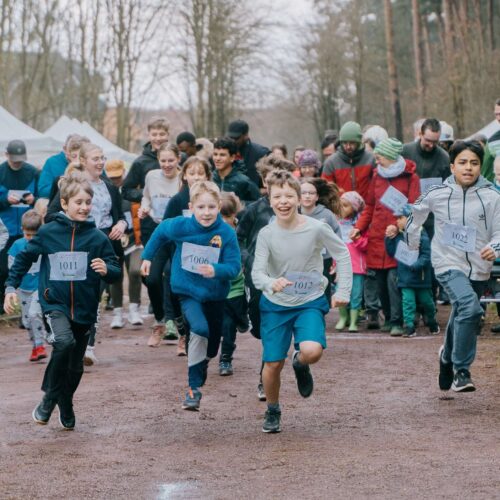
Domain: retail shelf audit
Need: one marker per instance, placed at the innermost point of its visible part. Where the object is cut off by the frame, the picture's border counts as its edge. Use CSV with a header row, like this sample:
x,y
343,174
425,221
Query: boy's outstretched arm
x,y
159,237
419,213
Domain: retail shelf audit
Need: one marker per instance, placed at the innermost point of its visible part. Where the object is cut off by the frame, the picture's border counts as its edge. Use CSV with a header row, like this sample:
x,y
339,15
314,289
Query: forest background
x,y
293,72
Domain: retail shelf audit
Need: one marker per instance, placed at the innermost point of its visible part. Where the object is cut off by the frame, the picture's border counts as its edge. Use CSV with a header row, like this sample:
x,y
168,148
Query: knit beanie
x,y
389,148
350,132
375,133
308,158
355,199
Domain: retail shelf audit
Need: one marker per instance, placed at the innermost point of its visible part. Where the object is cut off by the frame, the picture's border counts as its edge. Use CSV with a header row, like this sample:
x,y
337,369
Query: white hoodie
x,y
477,206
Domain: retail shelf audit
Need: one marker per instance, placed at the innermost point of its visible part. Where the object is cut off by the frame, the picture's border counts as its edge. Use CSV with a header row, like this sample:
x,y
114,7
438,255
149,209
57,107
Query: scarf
x,y
393,170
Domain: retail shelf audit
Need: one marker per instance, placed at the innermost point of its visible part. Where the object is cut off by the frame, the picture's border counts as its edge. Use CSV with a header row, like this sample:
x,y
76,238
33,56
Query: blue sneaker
x,y
192,401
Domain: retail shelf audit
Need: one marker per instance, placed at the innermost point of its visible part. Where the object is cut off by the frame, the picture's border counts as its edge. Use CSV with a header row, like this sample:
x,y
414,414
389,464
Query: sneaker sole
x,y
271,431
39,422
190,408
465,388
225,374
447,387
116,327
181,354
64,428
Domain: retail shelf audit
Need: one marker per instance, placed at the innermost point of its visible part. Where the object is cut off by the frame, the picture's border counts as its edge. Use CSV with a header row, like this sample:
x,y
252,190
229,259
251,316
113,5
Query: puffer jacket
x,y
477,206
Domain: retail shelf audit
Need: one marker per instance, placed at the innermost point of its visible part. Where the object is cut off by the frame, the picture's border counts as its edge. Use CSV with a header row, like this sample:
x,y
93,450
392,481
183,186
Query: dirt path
x,y
376,426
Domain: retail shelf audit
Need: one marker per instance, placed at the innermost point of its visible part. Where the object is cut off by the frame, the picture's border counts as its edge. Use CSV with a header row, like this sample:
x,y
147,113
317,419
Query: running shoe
x,y
66,413
303,375
272,422
42,412
445,372
170,331
260,392
225,368
192,401
462,381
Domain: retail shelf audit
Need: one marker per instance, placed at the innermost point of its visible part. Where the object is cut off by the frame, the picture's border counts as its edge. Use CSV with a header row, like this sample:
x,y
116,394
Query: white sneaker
x,y
90,358
134,317
117,321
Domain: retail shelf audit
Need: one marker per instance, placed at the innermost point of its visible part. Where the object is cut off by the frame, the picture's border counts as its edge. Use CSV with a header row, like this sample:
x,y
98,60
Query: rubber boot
x,y
354,314
344,318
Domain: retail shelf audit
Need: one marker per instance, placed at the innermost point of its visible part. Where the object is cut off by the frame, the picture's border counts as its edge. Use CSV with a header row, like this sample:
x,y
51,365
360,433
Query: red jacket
x,y
350,173
376,216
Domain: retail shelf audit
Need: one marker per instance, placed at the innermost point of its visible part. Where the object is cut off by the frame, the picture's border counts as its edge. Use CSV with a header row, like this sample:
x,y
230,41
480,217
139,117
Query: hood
x,y
64,220
410,167
147,150
355,157
480,183
319,209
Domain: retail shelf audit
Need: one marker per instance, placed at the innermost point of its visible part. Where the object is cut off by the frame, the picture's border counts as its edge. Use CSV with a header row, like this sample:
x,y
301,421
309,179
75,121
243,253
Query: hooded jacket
x,y
239,184
188,230
78,300
376,216
350,173
53,168
136,178
251,153
324,214
477,206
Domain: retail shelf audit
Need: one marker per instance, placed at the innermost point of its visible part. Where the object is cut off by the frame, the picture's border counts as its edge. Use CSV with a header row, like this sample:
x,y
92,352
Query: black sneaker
x,y
373,322
41,414
66,413
445,372
225,368
409,332
272,421
192,401
260,392
462,382
305,382
434,329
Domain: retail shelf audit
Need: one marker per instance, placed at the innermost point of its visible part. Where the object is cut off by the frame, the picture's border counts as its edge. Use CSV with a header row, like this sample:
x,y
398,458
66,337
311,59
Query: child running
x,y
206,259
288,269
31,313
75,257
466,242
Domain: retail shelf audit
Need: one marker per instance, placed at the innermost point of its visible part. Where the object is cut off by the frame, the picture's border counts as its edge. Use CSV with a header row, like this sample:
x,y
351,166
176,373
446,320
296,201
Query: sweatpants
x,y
31,314
358,281
133,266
464,324
205,323
235,314
424,298
65,368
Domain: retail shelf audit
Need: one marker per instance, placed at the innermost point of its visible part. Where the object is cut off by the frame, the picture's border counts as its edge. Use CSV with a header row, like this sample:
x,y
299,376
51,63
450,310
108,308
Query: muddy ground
x,y
375,427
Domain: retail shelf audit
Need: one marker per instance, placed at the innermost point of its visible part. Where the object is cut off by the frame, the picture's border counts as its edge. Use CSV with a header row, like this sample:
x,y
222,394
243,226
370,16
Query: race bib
x,y
303,284
193,256
460,237
405,255
68,266
426,184
35,267
18,194
159,206
187,213
393,199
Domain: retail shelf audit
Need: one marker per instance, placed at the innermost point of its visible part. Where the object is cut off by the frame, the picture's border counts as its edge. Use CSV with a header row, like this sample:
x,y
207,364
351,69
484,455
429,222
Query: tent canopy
x,y
39,146
488,130
65,126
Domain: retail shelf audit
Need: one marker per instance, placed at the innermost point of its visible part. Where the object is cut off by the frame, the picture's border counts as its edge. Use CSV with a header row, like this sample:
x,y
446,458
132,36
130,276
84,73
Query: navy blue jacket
x,y
239,184
219,235
251,152
78,300
24,179
419,275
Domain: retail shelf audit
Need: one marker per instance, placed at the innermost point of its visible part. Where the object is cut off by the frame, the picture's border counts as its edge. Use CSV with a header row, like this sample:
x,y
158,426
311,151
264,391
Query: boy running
x,y
288,268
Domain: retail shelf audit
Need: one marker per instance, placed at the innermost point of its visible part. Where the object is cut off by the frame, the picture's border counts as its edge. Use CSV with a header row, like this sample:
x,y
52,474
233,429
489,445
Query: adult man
x,y
18,190
248,151
328,145
351,166
492,148
186,142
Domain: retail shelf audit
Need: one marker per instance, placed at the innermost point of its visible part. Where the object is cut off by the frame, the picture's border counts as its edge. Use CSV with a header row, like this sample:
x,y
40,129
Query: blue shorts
x,y
278,323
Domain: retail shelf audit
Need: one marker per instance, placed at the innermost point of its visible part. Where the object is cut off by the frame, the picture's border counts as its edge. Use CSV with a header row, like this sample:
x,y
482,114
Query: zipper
x,y
71,283
463,221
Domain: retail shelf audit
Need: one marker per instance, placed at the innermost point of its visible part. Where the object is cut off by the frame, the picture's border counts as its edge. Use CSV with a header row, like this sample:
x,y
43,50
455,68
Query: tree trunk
x,y
392,71
490,14
417,54
427,45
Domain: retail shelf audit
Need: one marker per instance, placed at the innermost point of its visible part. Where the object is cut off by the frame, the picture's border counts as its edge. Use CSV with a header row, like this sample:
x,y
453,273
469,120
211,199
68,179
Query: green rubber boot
x,y
344,318
354,314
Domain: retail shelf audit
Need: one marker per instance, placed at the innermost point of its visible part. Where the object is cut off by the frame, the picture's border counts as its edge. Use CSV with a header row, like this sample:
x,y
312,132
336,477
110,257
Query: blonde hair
x,y
158,122
202,187
280,178
168,146
272,162
31,220
230,204
195,160
86,148
70,185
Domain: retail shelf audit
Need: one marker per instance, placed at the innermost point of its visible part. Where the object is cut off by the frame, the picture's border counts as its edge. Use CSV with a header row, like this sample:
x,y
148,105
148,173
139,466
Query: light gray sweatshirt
x,y
324,214
476,207
280,251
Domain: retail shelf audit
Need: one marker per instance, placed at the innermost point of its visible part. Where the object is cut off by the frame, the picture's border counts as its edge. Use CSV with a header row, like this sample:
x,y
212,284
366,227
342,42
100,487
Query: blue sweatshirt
x,y
182,230
53,168
29,283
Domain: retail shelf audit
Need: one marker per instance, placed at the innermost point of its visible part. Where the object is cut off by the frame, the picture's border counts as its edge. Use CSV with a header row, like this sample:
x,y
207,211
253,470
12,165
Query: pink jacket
x,y
357,248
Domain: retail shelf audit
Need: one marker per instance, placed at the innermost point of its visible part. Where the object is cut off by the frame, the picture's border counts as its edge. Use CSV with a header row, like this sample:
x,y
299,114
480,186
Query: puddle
x,y
174,490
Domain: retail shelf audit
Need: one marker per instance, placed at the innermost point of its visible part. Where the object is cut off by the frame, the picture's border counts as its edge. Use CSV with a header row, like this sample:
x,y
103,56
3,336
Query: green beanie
x,y
350,132
389,148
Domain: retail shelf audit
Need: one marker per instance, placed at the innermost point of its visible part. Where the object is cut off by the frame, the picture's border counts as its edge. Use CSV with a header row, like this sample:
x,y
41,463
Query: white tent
x,y
65,126
489,129
39,146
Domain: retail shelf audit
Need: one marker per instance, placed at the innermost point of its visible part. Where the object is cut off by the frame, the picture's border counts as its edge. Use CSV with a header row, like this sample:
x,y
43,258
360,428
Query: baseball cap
x,y
16,150
114,168
446,132
237,128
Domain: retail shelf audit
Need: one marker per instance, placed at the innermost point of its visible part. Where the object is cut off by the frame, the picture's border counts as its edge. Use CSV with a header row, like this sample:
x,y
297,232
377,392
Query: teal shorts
x,y
278,323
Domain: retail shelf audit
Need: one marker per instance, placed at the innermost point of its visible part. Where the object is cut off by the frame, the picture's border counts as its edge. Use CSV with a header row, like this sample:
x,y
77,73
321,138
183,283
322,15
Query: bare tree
x,y
417,54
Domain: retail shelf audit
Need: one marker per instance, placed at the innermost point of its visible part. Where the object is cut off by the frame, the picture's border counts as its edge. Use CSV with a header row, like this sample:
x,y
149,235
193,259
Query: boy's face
x,y
157,136
401,222
29,233
284,201
205,209
466,168
223,159
169,164
78,207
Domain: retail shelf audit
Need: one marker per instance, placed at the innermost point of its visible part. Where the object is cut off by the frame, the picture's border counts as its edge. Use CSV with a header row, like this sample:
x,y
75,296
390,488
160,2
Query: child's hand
x,y
145,267
99,266
142,213
117,230
10,302
206,270
354,234
280,284
391,231
336,302
487,253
